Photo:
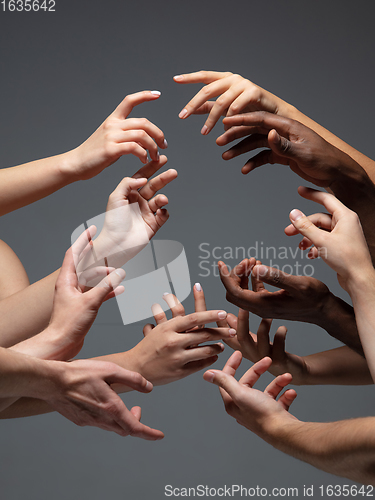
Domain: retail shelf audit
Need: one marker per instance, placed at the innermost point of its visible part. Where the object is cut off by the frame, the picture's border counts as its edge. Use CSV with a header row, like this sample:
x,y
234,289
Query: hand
x,y
236,95
341,242
290,143
253,409
73,310
171,350
133,216
81,391
301,298
256,347
119,135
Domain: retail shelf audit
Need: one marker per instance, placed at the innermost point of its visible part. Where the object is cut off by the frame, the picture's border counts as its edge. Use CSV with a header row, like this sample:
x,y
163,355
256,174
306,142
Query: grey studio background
x,y
62,74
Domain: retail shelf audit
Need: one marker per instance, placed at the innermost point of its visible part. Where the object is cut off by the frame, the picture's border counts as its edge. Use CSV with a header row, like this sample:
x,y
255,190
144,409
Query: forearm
x,y
338,319
26,407
366,163
340,366
362,292
345,448
24,184
27,312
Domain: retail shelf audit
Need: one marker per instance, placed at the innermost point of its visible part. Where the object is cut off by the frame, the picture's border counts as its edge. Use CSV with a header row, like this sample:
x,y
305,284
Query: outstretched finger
x,y
252,375
256,283
174,304
158,183
148,170
158,313
125,107
287,398
278,384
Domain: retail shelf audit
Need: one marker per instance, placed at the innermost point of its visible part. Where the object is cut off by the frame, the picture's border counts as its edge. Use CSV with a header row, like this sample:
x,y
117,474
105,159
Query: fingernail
x,y
178,78
165,293
149,386
155,92
183,113
165,143
204,130
120,272
262,270
222,315
296,214
232,332
221,346
210,376
157,156
198,287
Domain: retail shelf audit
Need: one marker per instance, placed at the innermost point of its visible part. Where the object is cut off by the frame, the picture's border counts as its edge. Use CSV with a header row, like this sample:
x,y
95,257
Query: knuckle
x,y
221,101
193,317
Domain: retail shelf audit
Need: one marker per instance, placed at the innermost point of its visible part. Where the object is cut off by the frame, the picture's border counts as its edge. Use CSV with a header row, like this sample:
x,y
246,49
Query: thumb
x,y
304,226
280,145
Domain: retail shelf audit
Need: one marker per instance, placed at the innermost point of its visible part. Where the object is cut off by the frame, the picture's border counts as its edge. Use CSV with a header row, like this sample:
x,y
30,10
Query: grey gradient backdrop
x,y
62,74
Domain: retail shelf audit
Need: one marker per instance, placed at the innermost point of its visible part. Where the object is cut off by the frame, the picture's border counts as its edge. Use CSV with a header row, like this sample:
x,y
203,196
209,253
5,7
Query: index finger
x,y
230,368
329,201
132,100
129,378
183,323
201,76
263,119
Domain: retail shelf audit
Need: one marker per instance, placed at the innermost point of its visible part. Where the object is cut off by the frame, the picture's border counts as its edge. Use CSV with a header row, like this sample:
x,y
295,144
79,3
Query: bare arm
x,y
344,448
117,136
239,95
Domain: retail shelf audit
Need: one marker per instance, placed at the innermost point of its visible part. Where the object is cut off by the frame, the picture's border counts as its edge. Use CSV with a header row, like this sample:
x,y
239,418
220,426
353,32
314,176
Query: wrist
x,y
362,282
67,166
352,185
278,428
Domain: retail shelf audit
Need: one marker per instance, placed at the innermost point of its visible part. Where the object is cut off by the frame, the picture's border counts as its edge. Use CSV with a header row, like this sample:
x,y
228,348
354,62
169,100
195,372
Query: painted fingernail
x,y
232,332
178,78
155,92
183,113
222,315
204,130
165,144
296,214
209,376
198,287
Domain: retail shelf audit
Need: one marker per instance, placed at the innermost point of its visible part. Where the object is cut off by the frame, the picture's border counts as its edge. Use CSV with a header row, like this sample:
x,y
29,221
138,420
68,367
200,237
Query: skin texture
x,y
133,216
18,324
308,155
344,448
117,136
170,351
341,366
81,391
299,298
342,245
237,95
